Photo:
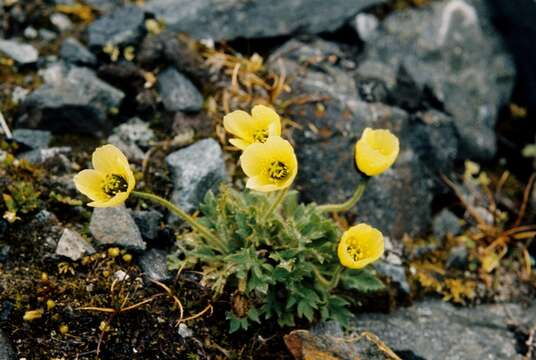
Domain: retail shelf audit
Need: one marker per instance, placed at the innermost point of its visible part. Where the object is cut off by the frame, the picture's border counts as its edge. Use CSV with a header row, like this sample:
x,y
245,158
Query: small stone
x,y
41,156
74,52
47,35
30,33
446,223
458,258
4,249
61,21
131,151
21,53
115,226
396,273
120,275
32,139
77,102
122,27
73,245
135,131
178,93
6,351
191,181
365,25
185,331
154,265
148,222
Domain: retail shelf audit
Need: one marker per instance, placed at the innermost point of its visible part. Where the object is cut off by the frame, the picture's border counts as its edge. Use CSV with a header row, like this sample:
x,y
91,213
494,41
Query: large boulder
x,y
73,100
451,50
434,329
398,201
230,19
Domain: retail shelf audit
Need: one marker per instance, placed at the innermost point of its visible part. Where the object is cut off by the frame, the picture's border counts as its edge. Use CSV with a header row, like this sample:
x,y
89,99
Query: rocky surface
x,y
230,19
195,170
446,223
115,226
123,26
154,265
133,138
397,202
148,222
75,101
42,156
6,351
72,51
178,93
433,329
73,245
450,49
22,53
32,139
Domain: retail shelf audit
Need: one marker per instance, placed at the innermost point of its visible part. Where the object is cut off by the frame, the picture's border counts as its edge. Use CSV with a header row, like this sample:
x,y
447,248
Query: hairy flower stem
x,y
209,235
348,204
330,284
279,198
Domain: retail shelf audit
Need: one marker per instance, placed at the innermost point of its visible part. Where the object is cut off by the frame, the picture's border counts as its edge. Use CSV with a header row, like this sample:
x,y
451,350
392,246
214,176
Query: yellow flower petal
x,y
270,166
111,202
359,246
108,159
111,182
239,143
268,118
239,123
89,182
376,151
263,123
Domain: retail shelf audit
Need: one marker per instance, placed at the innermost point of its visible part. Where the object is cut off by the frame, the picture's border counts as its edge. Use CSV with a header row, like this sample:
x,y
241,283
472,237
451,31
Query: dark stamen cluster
x,y
114,184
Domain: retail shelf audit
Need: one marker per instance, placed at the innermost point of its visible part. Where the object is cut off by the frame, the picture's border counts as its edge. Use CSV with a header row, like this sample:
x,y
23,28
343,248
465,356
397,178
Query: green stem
x,y
336,277
209,235
321,279
348,204
279,198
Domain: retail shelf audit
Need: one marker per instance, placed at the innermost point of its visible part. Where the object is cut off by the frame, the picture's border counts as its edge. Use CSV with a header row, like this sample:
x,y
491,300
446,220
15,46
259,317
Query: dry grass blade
x,y
526,195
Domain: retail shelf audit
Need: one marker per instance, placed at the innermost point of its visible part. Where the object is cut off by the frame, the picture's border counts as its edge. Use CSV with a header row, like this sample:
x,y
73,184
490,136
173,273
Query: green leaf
x,y
361,280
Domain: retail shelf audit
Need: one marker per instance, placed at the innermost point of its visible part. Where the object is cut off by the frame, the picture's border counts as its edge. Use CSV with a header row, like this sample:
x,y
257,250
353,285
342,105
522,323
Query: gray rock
x,y
446,223
399,200
77,102
131,137
61,21
41,156
148,222
434,329
178,93
73,245
451,48
115,226
397,274
224,20
32,139
121,27
365,25
458,258
4,249
47,35
73,52
135,131
21,53
6,351
192,181
154,265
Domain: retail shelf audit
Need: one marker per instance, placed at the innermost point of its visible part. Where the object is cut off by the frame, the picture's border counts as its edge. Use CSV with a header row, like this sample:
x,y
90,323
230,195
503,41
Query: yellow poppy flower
x,y
255,128
360,245
271,165
376,151
110,182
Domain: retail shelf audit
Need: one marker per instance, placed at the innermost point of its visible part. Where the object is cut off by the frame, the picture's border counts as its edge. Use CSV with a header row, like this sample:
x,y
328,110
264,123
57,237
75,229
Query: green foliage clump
x,y
281,265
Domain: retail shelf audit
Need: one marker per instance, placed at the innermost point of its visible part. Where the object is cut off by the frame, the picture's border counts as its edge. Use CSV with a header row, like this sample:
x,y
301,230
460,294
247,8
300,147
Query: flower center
x,y
355,251
260,135
114,184
277,171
